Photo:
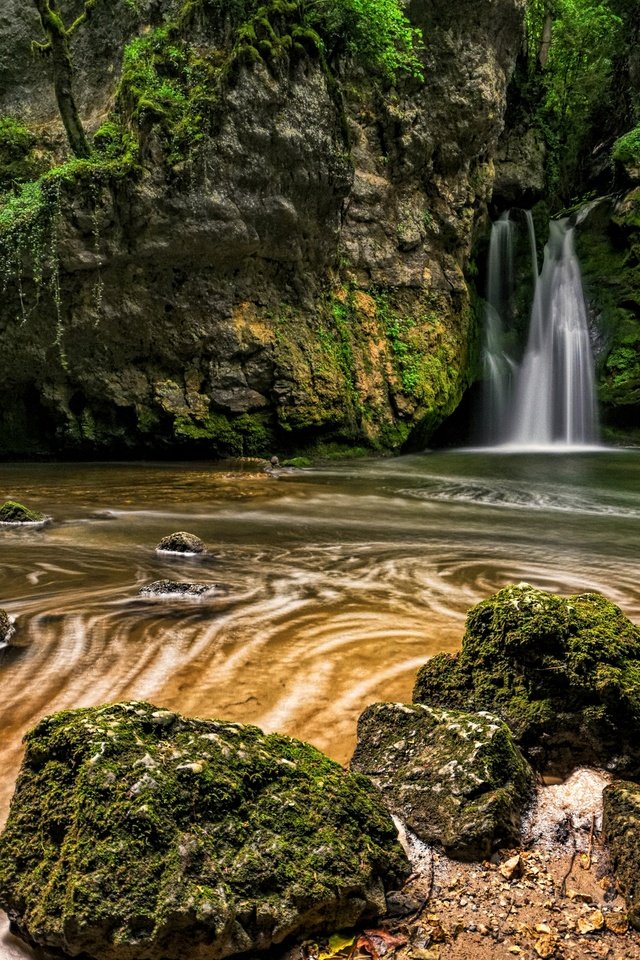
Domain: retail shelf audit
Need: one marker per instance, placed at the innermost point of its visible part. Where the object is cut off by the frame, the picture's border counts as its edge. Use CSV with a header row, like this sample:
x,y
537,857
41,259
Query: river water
x,y
334,584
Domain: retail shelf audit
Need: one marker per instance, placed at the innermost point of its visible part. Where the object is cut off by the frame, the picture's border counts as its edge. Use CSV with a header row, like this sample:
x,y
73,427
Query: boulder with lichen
x,y
564,673
136,833
457,780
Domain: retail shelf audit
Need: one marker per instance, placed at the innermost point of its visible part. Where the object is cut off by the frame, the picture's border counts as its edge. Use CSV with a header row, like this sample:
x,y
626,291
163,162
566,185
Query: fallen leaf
x,y
543,928
617,923
338,943
378,943
591,923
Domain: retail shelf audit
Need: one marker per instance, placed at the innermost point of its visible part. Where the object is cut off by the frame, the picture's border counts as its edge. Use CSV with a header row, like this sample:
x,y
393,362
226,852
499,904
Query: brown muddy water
x,y
334,584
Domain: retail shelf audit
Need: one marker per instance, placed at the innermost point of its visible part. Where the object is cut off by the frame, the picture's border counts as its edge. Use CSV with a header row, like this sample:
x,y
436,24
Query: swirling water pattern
x,y
333,585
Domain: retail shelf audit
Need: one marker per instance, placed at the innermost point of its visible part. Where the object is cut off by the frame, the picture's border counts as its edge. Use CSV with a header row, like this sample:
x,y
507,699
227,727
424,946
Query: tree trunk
x,y
58,42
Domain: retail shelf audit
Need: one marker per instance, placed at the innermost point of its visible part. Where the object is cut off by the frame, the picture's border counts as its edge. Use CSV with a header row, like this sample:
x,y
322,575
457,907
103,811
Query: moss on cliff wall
x,y
609,247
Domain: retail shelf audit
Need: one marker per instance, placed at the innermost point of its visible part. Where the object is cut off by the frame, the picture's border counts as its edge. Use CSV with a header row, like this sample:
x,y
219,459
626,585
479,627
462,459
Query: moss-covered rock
x,y
621,825
563,673
14,512
457,779
608,243
137,833
181,542
6,628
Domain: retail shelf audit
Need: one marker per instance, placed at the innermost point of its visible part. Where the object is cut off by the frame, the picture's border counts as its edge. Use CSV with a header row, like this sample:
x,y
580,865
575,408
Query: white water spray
x,y
496,362
554,394
548,401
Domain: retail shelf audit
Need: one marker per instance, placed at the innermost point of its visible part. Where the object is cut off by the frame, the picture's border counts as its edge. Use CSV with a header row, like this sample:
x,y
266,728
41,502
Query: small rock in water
x,y
14,512
174,589
6,628
181,542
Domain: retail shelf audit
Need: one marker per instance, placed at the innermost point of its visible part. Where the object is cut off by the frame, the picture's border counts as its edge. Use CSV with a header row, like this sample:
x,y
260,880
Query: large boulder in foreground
x,y
13,512
456,779
621,826
137,833
563,673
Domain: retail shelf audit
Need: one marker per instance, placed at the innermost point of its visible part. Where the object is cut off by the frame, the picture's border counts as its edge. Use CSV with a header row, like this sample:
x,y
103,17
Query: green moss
x,y
14,512
137,828
608,244
19,161
626,149
562,672
246,435
456,779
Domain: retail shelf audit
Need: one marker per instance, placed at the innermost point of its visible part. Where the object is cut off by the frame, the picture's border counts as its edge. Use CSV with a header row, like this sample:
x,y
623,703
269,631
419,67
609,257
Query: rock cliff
x,y
290,273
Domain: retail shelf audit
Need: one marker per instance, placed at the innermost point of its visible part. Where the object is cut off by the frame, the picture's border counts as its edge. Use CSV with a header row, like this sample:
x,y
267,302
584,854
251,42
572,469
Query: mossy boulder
x,y
181,542
14,512
621,825
6,628
135,832
456,779
563,672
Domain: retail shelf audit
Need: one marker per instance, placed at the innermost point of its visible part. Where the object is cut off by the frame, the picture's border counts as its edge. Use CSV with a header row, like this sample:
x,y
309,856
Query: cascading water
x,y
496,362
554,390
549,398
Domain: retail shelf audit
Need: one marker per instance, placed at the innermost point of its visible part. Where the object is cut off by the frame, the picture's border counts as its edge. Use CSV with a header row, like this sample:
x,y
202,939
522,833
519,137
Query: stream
x,y
334,584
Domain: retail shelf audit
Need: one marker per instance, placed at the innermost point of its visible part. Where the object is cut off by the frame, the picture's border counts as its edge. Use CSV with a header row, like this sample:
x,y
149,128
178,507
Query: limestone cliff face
x,y
298,278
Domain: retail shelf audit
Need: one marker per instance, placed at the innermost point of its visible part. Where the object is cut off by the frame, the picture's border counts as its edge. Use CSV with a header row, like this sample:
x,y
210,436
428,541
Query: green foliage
x,y
17,160
576,80
626,149
376,33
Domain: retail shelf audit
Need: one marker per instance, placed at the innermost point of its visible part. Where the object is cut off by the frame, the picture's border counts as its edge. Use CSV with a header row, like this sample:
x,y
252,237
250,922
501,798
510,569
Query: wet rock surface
x,y
137,833
181,542
621,824
456,779
13,512
6,628
564,673
318,289
173,589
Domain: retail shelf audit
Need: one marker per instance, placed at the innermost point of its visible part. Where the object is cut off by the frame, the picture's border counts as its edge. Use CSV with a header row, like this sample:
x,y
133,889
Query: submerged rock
x,y
6,628
621,825
563,673
181,542
137,833
172,588
456,779
14,512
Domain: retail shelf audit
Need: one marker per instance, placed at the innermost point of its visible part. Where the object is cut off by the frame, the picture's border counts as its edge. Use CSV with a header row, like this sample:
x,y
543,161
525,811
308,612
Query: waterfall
x,y
554,391
497,365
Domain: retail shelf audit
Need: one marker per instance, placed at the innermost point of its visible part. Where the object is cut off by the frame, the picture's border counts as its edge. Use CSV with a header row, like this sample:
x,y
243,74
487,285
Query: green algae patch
x,y
14,512
135,832
456,779
564,673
